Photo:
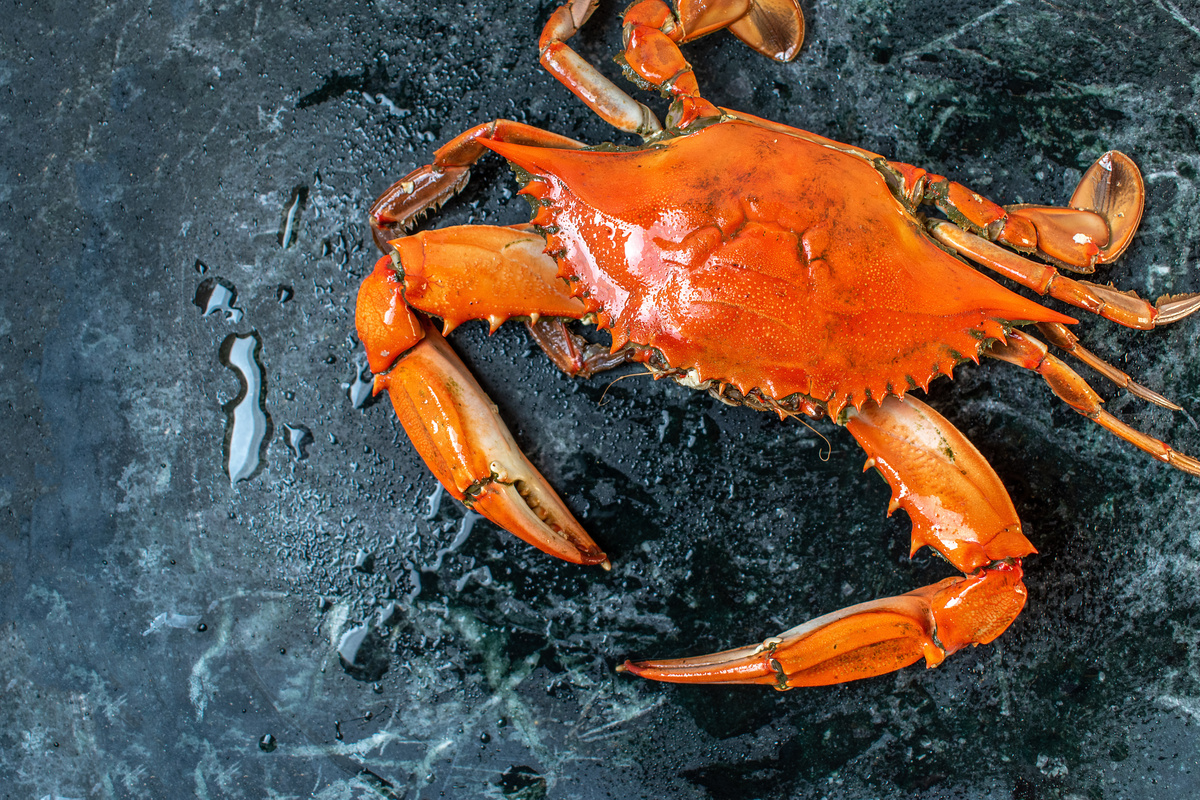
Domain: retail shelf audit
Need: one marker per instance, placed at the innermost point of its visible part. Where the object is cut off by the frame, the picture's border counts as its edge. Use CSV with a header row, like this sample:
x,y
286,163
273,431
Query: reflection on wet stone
x,y
363,653
248,428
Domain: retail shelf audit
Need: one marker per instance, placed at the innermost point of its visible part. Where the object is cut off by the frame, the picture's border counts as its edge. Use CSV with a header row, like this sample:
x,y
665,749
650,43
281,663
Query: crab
x,y
772,268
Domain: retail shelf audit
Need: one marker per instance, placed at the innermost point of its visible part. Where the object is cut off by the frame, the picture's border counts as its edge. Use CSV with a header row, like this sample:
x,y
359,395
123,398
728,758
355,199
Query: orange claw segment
x,y
468,448
865,640
861,641
482,272
1068,236
956,501
386,325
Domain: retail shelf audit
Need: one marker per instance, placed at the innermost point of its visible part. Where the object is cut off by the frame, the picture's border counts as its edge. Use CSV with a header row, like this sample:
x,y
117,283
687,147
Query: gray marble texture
x,y
157,621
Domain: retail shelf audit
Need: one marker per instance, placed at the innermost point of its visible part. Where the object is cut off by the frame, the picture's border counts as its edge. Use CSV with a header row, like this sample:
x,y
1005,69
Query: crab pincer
x,y
455,428
959,507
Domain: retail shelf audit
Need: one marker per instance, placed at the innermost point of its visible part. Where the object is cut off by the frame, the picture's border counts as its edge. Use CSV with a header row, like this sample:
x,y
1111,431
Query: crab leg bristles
x,y
455,428
865,640
1124,308
400,208
957,506
1027,352
587,83
1061,337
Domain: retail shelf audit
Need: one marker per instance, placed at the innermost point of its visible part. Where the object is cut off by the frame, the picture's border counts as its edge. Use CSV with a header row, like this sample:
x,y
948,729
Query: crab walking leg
x,y
1026,351
653,33
1061,337
600,94
428,187
958,506
1124,308
572,353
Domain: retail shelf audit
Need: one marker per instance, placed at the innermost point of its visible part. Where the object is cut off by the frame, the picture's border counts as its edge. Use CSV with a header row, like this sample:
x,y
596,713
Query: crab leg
x,y
1026,351
428,187
1104,212
1124,308
959,507
586,82
653,34
444,411
1060,336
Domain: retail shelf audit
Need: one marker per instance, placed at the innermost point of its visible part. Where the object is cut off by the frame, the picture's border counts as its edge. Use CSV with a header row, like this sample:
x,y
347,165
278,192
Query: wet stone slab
x,y
324,623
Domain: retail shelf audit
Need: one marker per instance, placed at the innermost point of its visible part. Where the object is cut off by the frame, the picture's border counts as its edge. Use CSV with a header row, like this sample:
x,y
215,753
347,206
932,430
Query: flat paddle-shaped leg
x,y
959,507
1096,228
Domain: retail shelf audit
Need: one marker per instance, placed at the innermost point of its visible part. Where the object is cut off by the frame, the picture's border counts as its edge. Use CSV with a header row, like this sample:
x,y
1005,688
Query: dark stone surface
x,y
140,141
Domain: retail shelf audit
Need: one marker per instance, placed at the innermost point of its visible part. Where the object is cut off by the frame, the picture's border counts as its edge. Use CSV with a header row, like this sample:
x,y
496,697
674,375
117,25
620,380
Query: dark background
x,y
141,139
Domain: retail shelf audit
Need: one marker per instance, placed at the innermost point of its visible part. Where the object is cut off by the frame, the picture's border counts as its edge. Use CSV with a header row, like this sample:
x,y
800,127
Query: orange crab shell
x,y
764,259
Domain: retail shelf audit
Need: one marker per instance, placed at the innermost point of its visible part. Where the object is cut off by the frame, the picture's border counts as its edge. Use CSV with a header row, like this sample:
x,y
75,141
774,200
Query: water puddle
x,y
460,538
217,294
248,428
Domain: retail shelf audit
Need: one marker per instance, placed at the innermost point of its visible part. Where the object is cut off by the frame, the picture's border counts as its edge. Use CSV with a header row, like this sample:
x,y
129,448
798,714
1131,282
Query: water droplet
x,y
364,561
170,619
217,294
299,438
267,743
363,653
434,500
360,389
283,293
389,614
248,428
290,228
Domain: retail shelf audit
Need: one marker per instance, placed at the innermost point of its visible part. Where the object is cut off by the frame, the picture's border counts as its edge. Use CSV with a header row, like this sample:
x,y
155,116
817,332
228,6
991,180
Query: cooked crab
x,y
772,268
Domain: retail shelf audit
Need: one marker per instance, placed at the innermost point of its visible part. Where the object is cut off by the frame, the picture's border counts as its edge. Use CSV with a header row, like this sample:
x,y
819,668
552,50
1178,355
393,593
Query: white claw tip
x,y
606,565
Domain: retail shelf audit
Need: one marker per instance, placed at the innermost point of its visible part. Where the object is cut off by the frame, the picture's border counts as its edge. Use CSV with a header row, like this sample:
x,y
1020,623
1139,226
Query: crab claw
x,y
468,448
865,640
